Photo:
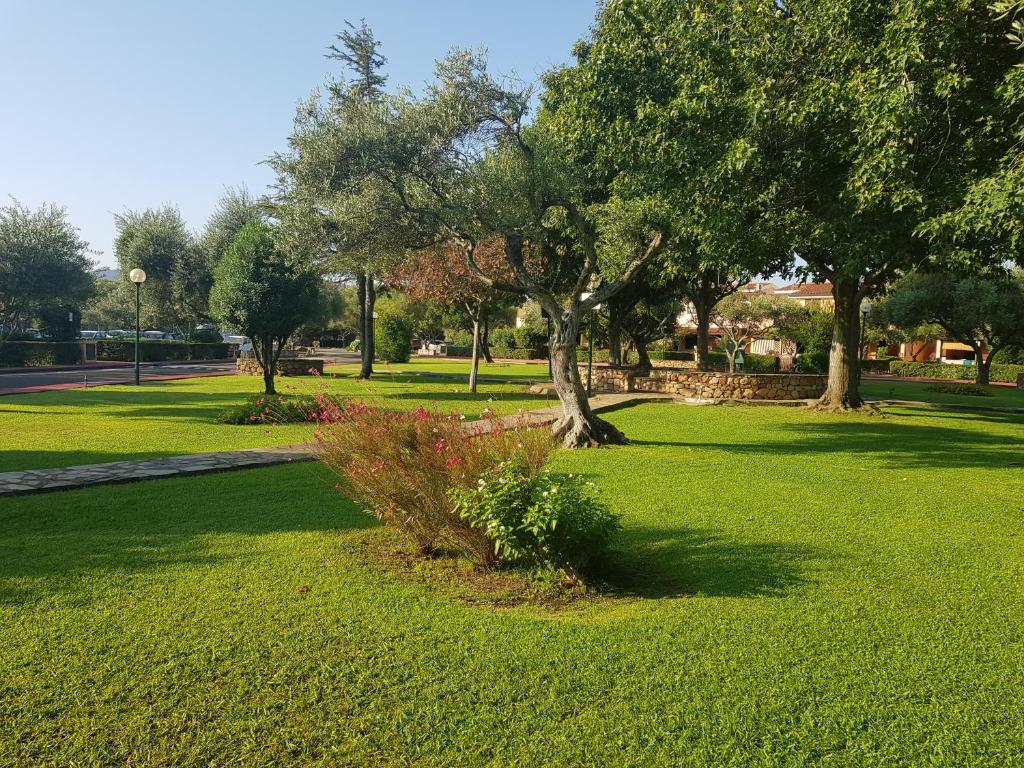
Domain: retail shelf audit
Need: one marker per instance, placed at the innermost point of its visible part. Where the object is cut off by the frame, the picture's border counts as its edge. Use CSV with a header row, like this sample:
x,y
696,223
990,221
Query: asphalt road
x,y
96,376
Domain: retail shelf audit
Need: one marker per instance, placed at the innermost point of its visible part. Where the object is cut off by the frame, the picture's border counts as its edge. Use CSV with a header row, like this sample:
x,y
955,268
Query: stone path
x,y
67,478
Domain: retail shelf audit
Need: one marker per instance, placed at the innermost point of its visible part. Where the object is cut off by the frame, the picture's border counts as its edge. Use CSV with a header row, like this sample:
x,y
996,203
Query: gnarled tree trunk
x,y
841,392
485,343
263,349
614,334
578,427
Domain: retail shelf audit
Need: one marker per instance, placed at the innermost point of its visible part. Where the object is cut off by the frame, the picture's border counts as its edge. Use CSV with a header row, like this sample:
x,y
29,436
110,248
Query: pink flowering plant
x,y
538,520
405,466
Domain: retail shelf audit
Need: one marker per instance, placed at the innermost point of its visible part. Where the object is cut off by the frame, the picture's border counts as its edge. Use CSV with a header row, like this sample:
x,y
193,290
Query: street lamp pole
x,y
137,276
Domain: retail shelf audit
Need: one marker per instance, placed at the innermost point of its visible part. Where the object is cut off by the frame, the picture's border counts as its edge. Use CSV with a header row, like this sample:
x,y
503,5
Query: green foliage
x,y
760,363
275,409
178,277
393,332
43,264
258,290
1002,373
971,390
160,350
234,210
875,366
538,520
1013,355
26,354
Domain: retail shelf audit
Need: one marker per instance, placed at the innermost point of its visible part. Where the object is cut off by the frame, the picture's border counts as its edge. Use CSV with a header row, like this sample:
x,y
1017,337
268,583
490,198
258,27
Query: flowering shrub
x,y
403,465
273,409
537,519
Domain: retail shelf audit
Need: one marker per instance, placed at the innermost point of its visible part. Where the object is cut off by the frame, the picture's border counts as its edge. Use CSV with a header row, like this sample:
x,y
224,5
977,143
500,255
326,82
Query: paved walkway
x,y
67,478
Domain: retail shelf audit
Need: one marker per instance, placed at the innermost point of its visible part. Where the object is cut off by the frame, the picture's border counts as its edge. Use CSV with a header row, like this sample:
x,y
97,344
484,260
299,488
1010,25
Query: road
x,y
35,381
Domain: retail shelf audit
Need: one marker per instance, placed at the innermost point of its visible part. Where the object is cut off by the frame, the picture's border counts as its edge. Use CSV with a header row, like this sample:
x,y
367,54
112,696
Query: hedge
x,y
875,366
26,354
158,351
514,353
760,363
1005,373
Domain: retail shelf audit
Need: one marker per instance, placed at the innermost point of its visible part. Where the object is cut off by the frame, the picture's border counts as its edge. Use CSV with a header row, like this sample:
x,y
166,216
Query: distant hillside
x,y
108,274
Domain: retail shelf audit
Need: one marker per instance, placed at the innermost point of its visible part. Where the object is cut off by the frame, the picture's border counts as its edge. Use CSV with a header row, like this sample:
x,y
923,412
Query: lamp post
x,y
865,307
137,276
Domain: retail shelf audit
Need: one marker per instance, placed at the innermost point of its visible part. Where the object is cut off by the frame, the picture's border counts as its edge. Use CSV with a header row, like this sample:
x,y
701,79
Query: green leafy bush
x,y
514,353
159,350
502,337
1009,356
1004,373
760,363
403,465
538,520
457,351
274,409
875,366
811,362
27,354
392,336
955,388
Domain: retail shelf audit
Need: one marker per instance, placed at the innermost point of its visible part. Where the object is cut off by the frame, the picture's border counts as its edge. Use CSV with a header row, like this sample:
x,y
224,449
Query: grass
x,y
999,397
457,367
112,423
790,589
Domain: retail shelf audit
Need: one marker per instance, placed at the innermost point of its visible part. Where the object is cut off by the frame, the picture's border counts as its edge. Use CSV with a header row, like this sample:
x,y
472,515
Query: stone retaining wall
x,y
709,384
286,366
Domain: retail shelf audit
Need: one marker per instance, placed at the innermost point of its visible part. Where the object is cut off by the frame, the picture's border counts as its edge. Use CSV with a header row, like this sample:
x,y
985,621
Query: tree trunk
x,y
984,366
485,344
368,346
361,298
841,393
268,364
578,427
640,344
702,307
614,334
474,363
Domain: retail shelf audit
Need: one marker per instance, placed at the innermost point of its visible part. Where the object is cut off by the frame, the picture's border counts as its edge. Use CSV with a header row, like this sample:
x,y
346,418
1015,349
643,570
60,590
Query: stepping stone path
x,y
67,478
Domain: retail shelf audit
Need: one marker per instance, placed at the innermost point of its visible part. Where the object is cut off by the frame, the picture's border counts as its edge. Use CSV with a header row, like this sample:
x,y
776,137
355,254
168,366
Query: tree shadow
x,y
897,443
72,542
688,562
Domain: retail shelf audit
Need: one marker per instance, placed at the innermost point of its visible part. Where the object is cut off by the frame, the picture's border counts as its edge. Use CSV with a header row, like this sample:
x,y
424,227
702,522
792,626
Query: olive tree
x,y
983,311
261,291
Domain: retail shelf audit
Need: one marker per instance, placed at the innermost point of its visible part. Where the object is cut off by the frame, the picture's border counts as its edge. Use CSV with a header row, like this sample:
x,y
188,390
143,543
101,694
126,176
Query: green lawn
x,y
790,589
505,371
1000,397
79,426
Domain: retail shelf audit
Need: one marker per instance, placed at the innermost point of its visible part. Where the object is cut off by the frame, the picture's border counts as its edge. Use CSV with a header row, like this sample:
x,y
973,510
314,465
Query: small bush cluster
x,y
422,473
18,354
537,520
392,336
760,363
1004,373
158,350
273,409
954,388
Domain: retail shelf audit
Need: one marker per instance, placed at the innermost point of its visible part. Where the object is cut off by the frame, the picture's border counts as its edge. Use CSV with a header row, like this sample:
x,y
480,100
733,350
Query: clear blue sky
x,y
117,104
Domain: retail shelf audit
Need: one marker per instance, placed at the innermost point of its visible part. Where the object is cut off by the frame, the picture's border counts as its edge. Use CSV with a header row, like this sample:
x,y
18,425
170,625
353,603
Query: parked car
x,y
92,335
119,333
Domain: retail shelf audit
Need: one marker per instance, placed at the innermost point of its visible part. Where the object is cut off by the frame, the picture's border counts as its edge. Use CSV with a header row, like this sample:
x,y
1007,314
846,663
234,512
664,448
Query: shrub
x,y
273,409
1009,356
156,351
26,354
537,520
811,362
403,465
392,336
1005,373
973,390
875,366
502,337
760,363
513,353
456,351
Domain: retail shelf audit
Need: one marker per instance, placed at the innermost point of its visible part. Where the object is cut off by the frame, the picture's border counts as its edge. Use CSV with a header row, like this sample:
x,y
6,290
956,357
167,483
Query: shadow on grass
x,y
660,563
77,543
904,445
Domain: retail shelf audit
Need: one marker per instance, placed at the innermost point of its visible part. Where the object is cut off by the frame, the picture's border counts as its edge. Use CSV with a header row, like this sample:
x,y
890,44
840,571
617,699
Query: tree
x,y
177,277
650,319
885,112
744,318
459,165
985,312
311,201
440,275
658,100
261,292
234,210
108,308
43,263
